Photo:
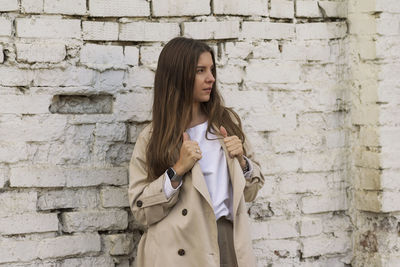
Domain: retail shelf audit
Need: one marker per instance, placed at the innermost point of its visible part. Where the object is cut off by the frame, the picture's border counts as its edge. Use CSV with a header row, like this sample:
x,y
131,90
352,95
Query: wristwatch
x,y
172,175
247,167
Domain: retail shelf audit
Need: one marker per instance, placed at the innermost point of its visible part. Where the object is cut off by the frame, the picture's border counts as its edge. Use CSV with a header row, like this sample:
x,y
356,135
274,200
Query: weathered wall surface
x,y
76,87
374,39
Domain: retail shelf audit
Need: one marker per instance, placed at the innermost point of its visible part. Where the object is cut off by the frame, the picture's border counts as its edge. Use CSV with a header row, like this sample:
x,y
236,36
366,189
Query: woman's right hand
x,y
189,154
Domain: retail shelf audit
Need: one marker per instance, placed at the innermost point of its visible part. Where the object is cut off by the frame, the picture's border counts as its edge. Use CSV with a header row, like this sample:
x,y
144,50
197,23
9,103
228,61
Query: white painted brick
x,y
62,246
48,28
328,30
5,27
310,226
308,9
270,248
282,9
12,76
114,197
28,223
230,73
299,140
267,30
12,152
33,104
41,52
266,71
109,81
119,8
267,50
148,31
335,139
9,5
17,202
149,55
365,24
304,183
334,9
240,100
327,160
119,244
279,229
73,76
391,6
389,180
139,76
336,223
102,56
165,8
60,177
29,177
33,128
238,49
237,7
134,106
388,24
3,176
321,245
274,229
211,30
333,201
282,163
111,132
94,220
31,6
14,251
88,261
131,55
315,50
71,7
97,30
67,198
1,54
390,201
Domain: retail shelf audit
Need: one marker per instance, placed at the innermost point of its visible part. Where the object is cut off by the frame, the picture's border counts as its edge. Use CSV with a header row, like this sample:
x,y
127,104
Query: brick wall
x,y
315,85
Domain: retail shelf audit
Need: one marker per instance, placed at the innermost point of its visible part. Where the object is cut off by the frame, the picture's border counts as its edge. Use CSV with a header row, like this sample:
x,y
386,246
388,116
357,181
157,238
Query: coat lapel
x,y
236,176
200,183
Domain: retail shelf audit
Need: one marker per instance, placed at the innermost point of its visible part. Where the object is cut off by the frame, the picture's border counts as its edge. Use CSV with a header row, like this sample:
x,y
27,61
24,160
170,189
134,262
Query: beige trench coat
x,y
182,230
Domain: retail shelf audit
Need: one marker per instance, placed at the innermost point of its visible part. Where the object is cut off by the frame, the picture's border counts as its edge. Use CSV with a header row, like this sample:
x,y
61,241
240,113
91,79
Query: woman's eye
x,y
199,70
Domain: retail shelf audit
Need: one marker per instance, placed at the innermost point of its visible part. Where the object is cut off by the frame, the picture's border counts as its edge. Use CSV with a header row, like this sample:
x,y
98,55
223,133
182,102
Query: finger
x,y
223,131
186,137
230,141
237,152
233,145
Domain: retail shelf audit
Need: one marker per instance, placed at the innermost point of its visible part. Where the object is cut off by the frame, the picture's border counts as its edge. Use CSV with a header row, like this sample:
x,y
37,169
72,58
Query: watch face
x,y
170,173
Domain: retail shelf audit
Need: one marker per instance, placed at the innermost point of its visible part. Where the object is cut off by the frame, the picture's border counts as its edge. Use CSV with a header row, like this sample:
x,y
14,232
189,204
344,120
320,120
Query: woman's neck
x,y
198,115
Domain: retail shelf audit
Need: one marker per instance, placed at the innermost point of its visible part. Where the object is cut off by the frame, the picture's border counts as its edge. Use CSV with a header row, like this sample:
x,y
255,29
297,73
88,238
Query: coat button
x,y
184,212
181,252
139,203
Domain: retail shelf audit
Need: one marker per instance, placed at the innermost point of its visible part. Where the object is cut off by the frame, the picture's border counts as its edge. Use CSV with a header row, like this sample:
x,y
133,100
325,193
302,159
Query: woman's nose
x,y
210,78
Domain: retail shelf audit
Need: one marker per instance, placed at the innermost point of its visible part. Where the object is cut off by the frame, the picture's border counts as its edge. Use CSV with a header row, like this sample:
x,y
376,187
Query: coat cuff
x,y
168,189
248,174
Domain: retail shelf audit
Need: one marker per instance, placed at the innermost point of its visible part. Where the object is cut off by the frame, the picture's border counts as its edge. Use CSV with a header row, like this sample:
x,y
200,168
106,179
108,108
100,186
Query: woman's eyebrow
x,y
205,66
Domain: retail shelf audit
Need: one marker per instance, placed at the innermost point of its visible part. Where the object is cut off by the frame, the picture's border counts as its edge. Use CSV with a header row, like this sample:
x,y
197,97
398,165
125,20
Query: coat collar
x,y
235,174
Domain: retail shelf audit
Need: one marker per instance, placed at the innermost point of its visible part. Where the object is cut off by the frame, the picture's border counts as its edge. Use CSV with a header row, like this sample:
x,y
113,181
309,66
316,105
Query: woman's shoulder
x,y
145,133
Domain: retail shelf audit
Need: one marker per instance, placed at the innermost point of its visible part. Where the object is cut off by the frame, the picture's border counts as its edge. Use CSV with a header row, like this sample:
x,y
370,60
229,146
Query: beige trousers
x,y
225,242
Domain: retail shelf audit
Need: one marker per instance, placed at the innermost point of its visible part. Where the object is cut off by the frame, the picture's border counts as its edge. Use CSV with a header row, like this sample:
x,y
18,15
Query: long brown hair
x,y
173,101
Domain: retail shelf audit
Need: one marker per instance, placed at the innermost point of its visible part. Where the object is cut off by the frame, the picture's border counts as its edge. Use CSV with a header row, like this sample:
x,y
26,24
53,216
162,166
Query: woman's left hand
x,y
234,146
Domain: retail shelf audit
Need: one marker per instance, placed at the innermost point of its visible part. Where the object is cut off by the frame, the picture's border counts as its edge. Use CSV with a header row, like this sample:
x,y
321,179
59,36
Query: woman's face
x,y
204,78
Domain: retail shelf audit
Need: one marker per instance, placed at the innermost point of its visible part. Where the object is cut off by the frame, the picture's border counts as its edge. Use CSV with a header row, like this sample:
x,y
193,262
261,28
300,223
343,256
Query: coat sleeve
x,y
147,199
256,180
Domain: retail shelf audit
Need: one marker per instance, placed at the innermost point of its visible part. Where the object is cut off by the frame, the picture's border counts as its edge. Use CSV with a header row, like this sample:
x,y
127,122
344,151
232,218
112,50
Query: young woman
x,y
192,168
